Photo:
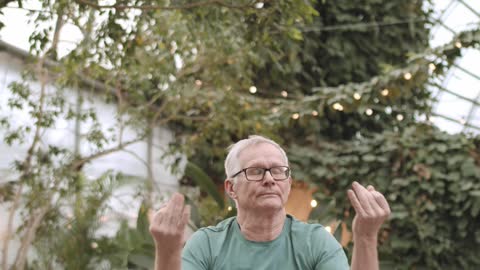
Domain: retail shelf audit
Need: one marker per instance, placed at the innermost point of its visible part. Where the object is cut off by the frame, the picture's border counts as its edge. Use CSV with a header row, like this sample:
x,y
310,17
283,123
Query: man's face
x,y
267,194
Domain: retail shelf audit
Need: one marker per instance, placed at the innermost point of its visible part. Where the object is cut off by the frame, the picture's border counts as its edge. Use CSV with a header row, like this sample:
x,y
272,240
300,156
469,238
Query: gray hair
x,y
232,165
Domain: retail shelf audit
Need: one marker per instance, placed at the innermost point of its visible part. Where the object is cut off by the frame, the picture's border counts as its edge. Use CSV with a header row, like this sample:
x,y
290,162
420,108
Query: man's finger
x,y
185,216
381,201
175,208
363,196
355,202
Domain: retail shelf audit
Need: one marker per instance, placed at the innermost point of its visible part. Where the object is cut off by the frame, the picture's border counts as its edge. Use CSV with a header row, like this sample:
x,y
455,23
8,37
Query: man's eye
x,y
255,171
277,170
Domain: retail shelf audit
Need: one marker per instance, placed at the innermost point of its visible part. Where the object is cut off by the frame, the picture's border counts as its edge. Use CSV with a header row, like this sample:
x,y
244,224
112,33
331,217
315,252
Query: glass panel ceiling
x,y
458,95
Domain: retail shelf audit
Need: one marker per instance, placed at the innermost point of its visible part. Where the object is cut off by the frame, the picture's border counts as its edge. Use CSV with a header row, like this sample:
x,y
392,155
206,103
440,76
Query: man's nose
x,y
268,178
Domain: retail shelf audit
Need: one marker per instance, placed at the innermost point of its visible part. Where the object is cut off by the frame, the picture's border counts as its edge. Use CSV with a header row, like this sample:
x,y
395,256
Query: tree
x,y
161,64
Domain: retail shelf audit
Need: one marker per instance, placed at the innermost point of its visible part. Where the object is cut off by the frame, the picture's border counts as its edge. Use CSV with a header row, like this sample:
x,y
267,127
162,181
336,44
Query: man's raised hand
x,y
168,224
371,209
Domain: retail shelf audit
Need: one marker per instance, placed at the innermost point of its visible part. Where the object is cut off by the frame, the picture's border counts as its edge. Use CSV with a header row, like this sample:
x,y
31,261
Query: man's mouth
x,y
268,194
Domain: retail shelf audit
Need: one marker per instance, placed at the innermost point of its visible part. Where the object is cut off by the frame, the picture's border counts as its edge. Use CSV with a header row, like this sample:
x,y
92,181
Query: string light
x,y
313,203
388,110
274,110
94,245
103,219
314,113
337,106
369,111
198,83
458,44
385,92
259,5
407,76
463,121
328,229
399,117
229,88
229,208
284,94
253,89
432,66
295,116
357,96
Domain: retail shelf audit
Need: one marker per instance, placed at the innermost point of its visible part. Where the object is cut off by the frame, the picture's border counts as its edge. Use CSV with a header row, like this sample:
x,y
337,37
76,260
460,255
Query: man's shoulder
x,y
297,224
309,231
222,226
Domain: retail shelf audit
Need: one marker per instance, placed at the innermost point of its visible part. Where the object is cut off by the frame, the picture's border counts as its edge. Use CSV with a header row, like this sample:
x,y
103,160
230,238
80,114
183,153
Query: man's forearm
x,y
172,261
365,254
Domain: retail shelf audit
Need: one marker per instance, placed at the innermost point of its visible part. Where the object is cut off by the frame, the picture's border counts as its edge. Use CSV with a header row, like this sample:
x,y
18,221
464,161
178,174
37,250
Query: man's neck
x,y
261,227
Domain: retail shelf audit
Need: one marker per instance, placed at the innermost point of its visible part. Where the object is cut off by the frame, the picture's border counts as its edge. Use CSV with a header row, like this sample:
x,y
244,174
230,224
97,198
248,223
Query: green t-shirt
x,y
300,246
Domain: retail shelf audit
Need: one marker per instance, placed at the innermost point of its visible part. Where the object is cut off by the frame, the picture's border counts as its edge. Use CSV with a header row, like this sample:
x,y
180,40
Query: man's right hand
x,y
168,227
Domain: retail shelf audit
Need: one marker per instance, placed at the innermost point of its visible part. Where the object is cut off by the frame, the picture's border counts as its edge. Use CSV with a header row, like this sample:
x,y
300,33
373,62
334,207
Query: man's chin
x,y
270,202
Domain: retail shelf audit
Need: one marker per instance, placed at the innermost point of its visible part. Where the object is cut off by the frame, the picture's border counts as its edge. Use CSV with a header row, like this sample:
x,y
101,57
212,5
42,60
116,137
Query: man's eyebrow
x,y
263,164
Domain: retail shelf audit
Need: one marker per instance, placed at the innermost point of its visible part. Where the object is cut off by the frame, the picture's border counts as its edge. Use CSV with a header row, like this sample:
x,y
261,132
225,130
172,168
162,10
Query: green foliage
x,y
132,248
430,178
68,235
204,182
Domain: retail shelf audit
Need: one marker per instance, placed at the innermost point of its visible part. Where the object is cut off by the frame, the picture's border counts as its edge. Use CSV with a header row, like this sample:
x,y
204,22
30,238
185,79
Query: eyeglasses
x,y
278,173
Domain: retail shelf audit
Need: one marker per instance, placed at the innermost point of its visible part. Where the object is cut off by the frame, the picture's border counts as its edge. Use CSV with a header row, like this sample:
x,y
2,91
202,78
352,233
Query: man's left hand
x,y
371,209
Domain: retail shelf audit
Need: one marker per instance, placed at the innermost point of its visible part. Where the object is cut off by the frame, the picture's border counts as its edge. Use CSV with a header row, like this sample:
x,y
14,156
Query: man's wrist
x,y
167,251
365,240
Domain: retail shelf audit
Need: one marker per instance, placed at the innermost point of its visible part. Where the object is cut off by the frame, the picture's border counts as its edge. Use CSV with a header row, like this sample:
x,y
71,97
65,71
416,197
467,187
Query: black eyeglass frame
x,y
288,172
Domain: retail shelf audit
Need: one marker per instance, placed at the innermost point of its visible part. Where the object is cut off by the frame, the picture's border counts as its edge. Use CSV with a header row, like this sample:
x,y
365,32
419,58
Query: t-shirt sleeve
x,y
196,253
336,260
330,254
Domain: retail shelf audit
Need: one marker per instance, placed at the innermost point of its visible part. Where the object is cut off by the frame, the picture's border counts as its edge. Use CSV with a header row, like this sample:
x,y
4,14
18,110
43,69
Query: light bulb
x,y
357,96
369,111
253,89
259,5
407,76
313,203
295,116
337,106
385,92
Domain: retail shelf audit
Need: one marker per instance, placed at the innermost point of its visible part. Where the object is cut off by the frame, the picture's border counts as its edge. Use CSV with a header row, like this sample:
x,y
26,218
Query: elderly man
x,y
262,235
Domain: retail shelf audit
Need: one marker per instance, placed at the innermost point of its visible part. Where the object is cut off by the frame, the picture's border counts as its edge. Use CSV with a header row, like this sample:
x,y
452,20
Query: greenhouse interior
x,y
138,134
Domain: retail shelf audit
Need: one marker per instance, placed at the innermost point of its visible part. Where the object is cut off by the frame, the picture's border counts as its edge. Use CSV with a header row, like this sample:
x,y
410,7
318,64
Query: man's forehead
x,y
262,153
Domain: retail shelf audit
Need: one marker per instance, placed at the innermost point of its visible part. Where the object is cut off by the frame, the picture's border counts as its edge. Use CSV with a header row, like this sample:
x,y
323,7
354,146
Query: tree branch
x,y
79,163
155,7
28,161
33,225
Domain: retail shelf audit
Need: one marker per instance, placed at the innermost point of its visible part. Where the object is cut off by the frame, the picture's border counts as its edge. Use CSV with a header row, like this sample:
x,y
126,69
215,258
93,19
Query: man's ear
x,y
230,188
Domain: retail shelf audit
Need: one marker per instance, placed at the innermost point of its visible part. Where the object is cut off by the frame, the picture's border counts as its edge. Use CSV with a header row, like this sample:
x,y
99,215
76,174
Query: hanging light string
x,y
356,26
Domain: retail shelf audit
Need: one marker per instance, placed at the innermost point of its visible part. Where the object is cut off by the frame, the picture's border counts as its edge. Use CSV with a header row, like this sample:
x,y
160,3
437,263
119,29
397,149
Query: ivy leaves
x,y
429,177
